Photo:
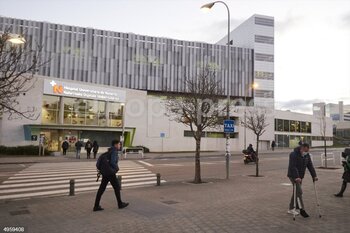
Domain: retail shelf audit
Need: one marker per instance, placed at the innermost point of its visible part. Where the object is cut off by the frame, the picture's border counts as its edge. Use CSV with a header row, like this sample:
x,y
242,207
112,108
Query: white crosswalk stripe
x,y
47,179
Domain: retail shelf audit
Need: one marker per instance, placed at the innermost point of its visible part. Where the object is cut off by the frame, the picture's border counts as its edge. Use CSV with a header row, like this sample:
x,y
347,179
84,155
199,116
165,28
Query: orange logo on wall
x,y
58,89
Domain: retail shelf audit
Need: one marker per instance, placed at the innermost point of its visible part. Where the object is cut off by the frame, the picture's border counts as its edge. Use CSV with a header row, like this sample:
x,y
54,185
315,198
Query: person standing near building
x,y
299,160
78,146
346,174
65,146
95,147
110,176
273,145
88,148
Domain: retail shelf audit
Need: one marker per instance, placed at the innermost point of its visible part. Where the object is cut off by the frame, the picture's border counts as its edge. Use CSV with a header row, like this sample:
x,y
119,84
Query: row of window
x,y
291,141
292,126
264,21
264,57
264,39
80,111
264,94
206,134
264,75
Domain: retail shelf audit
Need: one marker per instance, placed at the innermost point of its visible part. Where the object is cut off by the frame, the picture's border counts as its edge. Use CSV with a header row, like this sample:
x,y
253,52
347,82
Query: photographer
x,y
346,174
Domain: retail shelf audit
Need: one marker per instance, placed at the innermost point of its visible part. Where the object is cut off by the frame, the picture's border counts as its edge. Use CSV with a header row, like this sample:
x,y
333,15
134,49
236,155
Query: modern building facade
x,y
98,84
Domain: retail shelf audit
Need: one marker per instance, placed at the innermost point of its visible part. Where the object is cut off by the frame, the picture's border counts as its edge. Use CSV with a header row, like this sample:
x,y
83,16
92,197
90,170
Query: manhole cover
x,y
170,202
19,212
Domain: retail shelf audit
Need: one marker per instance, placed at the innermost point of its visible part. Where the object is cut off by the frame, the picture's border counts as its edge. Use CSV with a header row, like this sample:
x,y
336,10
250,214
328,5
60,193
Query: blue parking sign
x,y
229,126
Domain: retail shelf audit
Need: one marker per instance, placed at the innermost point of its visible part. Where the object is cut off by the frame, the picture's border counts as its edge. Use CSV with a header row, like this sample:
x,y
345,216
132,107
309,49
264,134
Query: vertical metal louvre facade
x,y
129,60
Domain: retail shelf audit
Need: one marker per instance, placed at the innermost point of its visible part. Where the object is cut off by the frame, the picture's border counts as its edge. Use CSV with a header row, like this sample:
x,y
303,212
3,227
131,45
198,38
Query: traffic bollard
x,y
71,187
158,179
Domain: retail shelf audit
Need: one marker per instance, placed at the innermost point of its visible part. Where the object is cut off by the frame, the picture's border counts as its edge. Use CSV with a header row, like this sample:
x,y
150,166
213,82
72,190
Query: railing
x,y
133,150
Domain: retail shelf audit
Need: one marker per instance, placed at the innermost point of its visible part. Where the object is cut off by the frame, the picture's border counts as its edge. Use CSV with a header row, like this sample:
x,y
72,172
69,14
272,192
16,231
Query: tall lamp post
x,y
207,7
123,125
252,87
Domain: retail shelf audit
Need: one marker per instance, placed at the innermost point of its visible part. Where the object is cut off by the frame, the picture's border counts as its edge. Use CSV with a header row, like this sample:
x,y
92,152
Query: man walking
x,y
88,148
78,146
95,147
111,177
299,160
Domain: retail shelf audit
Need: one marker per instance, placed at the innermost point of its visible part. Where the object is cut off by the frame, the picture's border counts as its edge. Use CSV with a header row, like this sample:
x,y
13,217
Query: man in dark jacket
x,y
114,150
299,160
88,148
78,146
65,146
95,147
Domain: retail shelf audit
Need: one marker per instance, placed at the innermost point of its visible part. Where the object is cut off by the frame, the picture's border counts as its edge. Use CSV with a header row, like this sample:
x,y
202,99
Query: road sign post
x,y
229,127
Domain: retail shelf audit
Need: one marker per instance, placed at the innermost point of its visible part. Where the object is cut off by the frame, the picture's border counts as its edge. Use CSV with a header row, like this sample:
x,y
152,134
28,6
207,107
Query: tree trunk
x,y
257,157
197,174
325,151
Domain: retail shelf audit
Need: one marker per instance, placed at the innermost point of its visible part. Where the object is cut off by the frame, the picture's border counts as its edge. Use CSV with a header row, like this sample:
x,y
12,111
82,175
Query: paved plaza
x,y
241,204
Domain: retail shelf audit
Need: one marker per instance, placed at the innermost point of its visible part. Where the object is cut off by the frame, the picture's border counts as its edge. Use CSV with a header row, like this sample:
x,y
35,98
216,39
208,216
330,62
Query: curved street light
x,y
206,8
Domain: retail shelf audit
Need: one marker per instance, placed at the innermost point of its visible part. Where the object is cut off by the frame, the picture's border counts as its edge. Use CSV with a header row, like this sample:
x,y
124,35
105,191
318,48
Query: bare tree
x,y
199,108
256,121
18,64
323,129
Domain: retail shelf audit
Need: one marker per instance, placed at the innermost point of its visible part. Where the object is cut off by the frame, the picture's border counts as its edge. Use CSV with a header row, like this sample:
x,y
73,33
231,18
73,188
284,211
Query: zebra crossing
x,y
47,179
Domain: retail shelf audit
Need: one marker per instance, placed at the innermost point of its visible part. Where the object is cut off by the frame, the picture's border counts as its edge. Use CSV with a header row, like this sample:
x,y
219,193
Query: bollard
x,y
120,181
158,179
71,187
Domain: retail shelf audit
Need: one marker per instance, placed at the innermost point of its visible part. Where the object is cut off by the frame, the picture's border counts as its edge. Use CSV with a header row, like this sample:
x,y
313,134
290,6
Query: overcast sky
x,y
312,37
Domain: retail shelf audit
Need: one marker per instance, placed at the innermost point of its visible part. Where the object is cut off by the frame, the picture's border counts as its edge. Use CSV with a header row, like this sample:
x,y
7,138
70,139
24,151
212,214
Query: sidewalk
x,y
166,155
242,204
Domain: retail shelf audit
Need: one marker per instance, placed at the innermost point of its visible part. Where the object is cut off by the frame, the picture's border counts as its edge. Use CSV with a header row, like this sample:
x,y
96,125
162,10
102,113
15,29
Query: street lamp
x,y
123,124
207,7
252,87
14,38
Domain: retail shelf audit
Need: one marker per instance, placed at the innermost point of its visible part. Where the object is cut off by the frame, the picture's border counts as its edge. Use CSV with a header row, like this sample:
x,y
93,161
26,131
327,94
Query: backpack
x,y
103,165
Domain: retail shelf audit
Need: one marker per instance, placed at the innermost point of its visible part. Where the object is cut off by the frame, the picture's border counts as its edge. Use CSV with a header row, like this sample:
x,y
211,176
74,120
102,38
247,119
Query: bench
x,y
133,150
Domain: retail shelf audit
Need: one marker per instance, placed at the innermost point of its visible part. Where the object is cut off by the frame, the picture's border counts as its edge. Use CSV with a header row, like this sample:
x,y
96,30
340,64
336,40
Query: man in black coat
x,y
110,176
65,146
299,160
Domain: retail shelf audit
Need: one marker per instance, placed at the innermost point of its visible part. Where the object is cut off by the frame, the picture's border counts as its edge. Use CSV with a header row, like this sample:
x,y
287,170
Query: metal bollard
x,y
158,179
71,187
120,181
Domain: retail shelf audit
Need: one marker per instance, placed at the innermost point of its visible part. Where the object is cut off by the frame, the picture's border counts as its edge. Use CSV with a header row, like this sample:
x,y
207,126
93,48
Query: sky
x,y
312,37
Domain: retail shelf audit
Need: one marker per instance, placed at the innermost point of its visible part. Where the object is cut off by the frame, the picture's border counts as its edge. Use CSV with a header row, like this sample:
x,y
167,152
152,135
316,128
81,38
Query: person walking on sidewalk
x,y
88,148
346,174
109,175
273,145
95,147
78,146
65,146
299,160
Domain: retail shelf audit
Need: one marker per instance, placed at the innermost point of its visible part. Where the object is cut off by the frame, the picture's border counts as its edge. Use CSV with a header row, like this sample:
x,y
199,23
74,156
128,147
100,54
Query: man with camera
x,y
346,174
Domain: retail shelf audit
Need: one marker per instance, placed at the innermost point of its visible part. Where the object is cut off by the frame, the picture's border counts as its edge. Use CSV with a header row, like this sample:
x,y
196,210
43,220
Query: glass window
x,y
279,125
297,126
308,127
115,114
49,110
286,125
303,127
292,126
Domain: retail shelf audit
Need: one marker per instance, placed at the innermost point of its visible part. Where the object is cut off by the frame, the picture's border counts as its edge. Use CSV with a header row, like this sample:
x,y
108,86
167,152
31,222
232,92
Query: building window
x,y
286,125
264,75
264,39
49,110
264,94
115,115
264,21
292,126
264,57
